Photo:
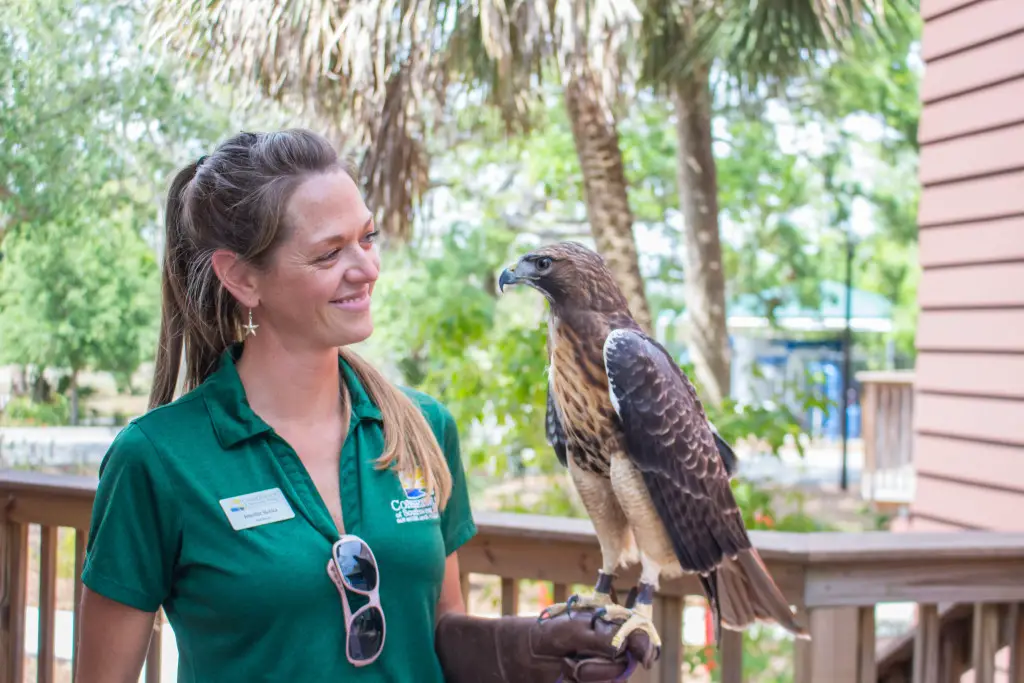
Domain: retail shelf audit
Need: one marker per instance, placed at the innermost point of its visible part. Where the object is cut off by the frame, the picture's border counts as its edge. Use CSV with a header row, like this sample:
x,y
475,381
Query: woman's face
x,y
317,288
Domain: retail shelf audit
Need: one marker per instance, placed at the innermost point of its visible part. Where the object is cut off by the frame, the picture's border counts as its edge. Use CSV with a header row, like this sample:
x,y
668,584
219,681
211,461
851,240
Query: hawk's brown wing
x,y
555,432
669,440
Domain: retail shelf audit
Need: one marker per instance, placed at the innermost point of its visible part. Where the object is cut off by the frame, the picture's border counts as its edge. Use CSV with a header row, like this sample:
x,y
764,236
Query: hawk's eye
x,y
543,263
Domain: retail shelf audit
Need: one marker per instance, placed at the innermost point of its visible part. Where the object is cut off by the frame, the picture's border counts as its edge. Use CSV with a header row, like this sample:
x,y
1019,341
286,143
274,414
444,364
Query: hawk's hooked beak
x,y
508,277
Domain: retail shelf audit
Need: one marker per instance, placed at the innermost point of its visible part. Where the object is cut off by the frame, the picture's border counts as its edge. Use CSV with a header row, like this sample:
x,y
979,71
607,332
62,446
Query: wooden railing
x,y
887,428
836,579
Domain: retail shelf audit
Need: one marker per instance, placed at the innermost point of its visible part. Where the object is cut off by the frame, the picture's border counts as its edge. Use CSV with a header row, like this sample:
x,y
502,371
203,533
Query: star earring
x,y
250,328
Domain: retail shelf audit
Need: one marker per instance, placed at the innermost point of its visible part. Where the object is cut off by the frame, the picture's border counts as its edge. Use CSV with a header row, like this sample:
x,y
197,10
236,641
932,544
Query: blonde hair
x,y
235,199
409,442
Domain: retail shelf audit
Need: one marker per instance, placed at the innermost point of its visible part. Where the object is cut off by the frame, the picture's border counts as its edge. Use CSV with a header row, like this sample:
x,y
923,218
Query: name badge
x,y
255,509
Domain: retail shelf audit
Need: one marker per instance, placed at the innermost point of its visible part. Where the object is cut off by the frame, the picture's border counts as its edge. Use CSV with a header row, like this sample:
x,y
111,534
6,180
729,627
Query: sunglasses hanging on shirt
x,y
353,567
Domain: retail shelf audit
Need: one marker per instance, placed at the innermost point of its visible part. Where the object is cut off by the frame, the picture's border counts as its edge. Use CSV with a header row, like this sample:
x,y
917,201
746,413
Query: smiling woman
x,y
295,514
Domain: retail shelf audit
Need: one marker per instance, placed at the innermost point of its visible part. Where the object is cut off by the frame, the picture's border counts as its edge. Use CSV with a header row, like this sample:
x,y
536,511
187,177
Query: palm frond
x,y
353,69
762,42
370,72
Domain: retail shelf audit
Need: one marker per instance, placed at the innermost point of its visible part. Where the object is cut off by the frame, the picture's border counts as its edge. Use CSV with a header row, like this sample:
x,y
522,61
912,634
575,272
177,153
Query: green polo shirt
x,y
256,604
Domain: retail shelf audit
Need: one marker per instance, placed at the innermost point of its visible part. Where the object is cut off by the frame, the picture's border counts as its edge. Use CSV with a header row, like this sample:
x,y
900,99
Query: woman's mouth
x,y
355,302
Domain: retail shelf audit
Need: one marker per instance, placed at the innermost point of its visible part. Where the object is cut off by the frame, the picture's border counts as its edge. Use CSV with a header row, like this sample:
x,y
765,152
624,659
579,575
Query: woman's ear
x,y
237,276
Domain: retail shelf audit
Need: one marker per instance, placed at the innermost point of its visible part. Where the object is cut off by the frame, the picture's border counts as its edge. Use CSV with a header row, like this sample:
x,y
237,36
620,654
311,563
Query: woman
x,y
296,515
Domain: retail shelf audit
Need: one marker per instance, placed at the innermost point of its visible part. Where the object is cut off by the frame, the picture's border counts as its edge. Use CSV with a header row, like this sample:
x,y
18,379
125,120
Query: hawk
x,y
651,471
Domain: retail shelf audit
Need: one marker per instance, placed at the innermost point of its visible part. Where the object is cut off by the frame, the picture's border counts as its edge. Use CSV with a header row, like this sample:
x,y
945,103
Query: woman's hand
x,y
113,640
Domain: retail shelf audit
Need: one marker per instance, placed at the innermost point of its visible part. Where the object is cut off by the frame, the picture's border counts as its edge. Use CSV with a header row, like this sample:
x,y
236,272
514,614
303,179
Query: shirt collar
x,y
235,421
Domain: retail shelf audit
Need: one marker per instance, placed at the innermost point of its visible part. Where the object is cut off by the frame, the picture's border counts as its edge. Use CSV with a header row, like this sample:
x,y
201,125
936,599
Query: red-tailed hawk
x,y
651,471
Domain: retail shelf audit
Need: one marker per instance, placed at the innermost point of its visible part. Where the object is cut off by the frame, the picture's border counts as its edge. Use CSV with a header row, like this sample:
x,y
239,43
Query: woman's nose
x,y
366,267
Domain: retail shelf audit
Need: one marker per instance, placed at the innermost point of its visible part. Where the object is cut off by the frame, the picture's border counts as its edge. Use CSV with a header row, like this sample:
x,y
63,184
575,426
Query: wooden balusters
x,y
730,656
13,580
926,645
509,596
47,608
887,416
1015,640
985,642
81,539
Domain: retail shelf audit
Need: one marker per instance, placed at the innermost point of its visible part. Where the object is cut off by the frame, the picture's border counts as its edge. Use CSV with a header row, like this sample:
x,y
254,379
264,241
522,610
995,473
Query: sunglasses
x,y
352,566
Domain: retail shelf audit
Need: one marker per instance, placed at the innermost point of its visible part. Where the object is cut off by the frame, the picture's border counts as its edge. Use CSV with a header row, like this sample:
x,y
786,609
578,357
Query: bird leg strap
x,y
573,647
600,597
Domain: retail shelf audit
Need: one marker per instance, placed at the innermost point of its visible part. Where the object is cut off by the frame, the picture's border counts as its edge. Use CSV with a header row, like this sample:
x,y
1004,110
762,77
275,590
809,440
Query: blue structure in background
x,y
825,362
827,423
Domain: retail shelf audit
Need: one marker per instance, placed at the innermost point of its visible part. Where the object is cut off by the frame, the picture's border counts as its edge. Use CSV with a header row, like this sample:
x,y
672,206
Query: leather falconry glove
x,y
572,647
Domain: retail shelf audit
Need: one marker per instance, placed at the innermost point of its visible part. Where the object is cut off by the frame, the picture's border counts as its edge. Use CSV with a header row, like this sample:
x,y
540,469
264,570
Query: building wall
x,y
969,402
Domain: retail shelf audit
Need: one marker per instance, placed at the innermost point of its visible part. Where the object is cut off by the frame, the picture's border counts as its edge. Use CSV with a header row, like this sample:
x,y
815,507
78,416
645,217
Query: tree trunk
x,y
604,183
698,197
73,389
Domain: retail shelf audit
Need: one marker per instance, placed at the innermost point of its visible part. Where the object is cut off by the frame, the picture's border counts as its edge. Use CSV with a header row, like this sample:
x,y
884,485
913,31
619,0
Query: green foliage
x,y
80,292
767,658
86,117
441,318
441,323
762,190
22,411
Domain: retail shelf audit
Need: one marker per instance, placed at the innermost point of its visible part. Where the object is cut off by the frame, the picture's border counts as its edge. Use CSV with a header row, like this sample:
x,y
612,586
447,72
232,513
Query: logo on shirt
x,y
417,506
415,486
237,505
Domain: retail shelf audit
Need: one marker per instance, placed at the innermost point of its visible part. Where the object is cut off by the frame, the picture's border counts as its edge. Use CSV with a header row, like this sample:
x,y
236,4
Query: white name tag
x,y
254,509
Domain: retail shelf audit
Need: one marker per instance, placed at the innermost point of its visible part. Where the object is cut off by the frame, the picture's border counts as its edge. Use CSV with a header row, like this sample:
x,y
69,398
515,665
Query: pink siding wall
x,y
969,421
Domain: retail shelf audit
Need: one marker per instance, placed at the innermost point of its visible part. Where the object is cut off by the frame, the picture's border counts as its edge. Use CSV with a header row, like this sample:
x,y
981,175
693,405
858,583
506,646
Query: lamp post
x,y
847,352
842,193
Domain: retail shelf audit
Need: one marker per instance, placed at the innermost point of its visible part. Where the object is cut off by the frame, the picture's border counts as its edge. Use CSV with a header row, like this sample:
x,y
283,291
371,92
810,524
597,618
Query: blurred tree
x,y
751,49
82,107
81,291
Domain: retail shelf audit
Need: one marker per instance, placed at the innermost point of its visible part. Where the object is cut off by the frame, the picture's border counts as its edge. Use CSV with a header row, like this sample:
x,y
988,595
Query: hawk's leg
x,y
613,534
639,617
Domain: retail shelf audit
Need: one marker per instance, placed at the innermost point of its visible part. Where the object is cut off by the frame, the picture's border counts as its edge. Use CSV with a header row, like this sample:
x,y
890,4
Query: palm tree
x,y
362,71
372,70
760,47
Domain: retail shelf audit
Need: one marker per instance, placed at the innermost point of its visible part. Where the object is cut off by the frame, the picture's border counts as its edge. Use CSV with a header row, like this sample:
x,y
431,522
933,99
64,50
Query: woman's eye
x,y
372,236
329,255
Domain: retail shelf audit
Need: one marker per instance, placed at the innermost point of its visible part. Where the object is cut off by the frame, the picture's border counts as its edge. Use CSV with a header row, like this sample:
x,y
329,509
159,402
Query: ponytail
x,y
174,285
198,314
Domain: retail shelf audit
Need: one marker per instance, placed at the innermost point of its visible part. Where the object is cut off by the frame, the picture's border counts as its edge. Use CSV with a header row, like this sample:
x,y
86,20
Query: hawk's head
x,y
568,274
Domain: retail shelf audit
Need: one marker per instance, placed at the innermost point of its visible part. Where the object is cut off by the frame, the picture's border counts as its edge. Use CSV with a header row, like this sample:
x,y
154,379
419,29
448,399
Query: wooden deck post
x,y
13,580
835,652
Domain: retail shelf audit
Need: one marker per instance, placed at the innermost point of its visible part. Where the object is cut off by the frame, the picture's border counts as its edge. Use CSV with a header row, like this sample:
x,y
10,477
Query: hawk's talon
x,y
637,621
597,599
616,614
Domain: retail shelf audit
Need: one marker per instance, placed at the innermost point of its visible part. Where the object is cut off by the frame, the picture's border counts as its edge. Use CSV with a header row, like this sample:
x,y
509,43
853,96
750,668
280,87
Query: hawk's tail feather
x,y
747,593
